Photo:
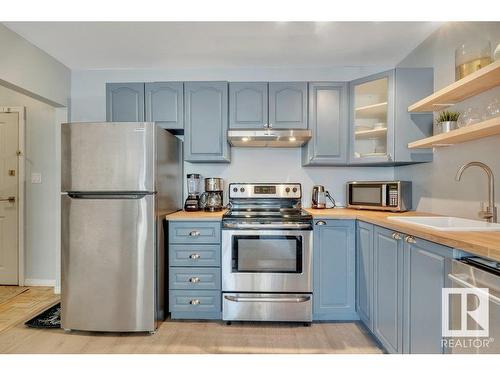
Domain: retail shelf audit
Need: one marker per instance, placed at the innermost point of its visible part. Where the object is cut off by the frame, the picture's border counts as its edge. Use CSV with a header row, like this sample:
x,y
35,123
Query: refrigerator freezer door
x,y
108,262
108,156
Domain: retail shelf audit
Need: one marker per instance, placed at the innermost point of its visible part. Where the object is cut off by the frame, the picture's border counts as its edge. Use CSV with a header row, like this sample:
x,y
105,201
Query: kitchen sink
x,y
447,223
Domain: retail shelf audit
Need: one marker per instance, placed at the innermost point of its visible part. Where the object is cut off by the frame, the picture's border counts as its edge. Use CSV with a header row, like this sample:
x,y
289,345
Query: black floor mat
x,y
50,318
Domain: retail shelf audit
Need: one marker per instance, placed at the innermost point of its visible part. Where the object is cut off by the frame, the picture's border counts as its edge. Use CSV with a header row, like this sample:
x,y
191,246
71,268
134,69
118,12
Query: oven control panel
x,y
265,190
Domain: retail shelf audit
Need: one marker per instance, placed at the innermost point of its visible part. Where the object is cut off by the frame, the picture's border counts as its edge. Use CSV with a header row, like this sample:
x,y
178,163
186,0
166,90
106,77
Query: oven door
x,y
267,261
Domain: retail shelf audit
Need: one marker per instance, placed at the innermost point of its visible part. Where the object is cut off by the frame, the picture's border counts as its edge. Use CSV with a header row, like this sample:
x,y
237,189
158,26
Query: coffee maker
x,y
212,200
193,187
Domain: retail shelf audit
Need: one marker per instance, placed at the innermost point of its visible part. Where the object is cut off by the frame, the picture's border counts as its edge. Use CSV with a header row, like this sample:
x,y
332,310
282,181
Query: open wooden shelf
x,y
372,133
475,83
372,111
468,133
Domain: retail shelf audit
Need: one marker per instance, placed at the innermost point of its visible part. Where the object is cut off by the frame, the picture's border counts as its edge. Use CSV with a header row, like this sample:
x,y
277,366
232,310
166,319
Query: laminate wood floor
x,y
23,306
189,337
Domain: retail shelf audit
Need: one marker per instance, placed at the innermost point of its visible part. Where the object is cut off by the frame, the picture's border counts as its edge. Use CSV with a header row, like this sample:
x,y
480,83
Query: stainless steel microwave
x,y
379,195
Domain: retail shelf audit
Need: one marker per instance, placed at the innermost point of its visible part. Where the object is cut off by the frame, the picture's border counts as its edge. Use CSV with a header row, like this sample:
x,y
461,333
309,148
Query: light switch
x,y
36,178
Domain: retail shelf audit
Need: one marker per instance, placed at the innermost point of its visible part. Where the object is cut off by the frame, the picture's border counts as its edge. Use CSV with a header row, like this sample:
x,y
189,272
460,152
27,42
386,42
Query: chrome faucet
x,y
490,214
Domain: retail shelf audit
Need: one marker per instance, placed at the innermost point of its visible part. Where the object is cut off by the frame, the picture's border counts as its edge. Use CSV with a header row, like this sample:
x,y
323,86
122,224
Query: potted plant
x,y
447,121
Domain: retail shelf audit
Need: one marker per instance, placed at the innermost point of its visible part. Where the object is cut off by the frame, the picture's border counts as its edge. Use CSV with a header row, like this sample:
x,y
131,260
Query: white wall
x,y
41,205
88,103
434,187
284,165
28,69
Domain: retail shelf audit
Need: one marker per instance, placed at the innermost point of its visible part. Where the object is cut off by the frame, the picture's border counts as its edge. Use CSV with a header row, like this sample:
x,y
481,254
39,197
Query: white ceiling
x,y
146,45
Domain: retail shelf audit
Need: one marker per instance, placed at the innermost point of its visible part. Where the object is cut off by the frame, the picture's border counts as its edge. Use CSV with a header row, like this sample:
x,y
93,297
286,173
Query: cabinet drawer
x,y
194,232
194,255
195,304
194,278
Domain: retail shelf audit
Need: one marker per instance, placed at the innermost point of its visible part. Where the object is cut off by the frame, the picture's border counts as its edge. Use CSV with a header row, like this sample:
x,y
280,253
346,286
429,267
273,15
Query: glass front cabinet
x,y
372,119
380,126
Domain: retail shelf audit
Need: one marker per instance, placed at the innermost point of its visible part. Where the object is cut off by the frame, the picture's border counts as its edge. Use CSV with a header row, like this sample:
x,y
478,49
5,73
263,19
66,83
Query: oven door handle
x,y
268,226
467,284
268,299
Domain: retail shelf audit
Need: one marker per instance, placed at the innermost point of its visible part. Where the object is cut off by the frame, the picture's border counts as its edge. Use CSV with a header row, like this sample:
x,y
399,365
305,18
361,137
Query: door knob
x,y
194,233
321,222
410,239
396,236
194,280
194,256
194,302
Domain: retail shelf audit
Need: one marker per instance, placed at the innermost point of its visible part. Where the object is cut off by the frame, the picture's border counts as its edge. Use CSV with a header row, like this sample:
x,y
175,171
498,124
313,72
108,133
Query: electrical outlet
x,y
36,178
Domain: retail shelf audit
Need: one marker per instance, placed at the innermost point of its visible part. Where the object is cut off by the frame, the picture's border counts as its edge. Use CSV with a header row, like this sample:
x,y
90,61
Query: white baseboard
x,y
39,282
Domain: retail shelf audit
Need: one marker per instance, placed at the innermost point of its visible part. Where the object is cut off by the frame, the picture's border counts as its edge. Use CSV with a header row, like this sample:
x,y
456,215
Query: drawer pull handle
x,y
396,236
321,222
194,256
410,239
194,233
194,302
194,280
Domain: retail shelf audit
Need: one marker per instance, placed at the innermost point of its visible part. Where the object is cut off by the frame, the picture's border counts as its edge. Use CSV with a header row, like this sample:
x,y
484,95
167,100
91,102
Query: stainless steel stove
x,y
266,254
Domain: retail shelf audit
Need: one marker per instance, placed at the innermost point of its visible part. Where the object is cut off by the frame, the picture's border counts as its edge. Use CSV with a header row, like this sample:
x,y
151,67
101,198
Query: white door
x,y
9,141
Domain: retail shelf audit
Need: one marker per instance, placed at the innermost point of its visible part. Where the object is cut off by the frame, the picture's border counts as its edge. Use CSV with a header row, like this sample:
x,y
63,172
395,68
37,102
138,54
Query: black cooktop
x,y
268,214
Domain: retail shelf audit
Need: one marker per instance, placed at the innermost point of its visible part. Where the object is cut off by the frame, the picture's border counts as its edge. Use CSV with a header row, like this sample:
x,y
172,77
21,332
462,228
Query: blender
x,y
193,187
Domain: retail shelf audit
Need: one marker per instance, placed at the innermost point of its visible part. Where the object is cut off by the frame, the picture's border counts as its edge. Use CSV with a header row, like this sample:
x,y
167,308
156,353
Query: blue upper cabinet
x,y
388,289
288,105
206,122
334,270
125,102
328,122
380,126
248,105
425,275
364,272
165,104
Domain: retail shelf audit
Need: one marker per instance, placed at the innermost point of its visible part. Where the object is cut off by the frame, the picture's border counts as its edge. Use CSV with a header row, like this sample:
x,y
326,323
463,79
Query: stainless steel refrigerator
x,y
118,181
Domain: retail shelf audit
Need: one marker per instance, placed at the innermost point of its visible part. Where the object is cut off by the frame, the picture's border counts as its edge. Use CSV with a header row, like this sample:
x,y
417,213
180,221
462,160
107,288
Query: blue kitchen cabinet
x,y
288,105
380,126
194,281
125,101
328,122
334,270
425,275
165,104
206,122
364,272
248,105
388,289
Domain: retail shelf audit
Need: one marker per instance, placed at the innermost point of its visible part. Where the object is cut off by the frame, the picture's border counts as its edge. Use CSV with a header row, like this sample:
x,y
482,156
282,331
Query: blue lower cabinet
x,y
424,270
195,304
364,272
334,270
388,289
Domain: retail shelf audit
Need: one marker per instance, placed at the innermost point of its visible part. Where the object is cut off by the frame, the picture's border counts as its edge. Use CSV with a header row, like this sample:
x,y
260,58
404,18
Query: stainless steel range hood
x,y
268,137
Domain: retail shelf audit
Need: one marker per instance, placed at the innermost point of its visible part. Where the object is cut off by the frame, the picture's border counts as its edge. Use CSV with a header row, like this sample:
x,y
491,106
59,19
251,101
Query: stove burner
x,y
279,207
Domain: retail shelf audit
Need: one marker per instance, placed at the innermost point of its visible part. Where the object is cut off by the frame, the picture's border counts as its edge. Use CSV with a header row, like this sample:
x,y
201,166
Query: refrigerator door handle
x,y
107,196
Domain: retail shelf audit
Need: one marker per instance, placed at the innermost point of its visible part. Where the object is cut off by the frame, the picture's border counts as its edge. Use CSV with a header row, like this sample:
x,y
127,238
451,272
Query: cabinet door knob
x,y
194,280
321,222
410,239
194,256
194,302
194,233
396,236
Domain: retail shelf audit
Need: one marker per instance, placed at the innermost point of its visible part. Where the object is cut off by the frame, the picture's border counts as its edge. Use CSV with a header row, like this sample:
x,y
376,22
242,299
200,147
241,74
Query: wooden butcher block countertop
x,y
195,216
486,244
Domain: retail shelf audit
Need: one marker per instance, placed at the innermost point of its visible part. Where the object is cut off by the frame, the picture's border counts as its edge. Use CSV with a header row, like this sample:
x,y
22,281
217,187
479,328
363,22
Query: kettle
x,y
319,195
